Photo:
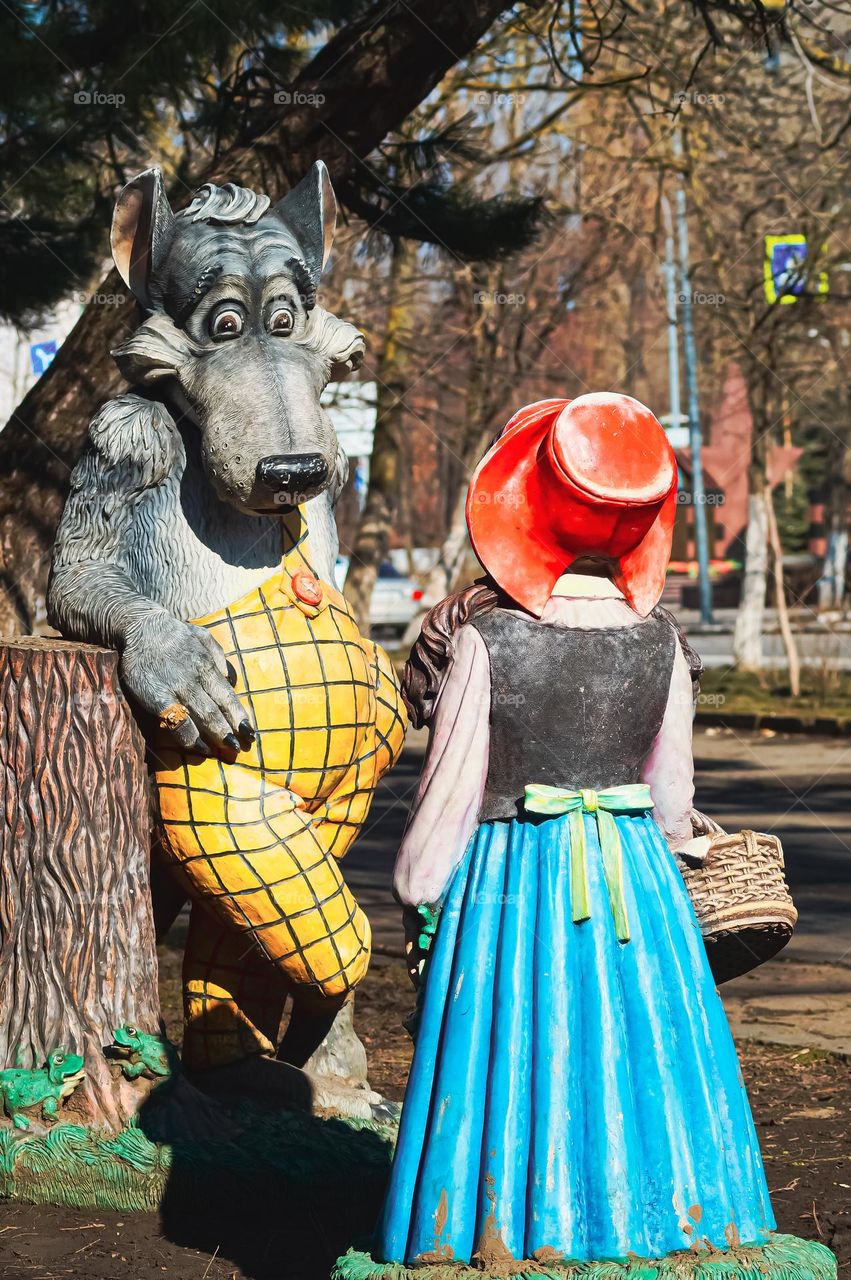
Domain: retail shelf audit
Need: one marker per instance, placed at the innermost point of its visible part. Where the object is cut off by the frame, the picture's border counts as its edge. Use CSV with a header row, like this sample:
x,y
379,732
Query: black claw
x,y
247,730
231,674
200,747
232,742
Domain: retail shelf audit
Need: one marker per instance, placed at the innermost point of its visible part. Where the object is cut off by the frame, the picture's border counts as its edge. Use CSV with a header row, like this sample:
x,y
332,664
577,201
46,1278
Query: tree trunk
x,y
453,553
358,88
747,637
792,658
840,564
41,443
487,388
392,380
831,587
77,949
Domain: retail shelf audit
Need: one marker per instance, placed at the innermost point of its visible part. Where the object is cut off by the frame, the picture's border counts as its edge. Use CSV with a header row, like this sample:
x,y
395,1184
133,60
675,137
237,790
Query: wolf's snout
x,y
292,476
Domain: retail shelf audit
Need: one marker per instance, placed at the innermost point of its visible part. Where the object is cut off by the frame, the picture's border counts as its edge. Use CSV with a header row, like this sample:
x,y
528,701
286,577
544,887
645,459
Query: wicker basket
x,y
740,898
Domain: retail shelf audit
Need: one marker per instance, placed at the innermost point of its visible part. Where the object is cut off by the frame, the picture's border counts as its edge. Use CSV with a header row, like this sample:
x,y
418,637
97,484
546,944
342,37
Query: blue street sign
x,y
41,355
785,269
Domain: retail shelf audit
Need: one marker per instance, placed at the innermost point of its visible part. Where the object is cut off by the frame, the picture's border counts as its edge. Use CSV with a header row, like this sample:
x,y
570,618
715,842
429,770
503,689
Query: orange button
x,y
306,588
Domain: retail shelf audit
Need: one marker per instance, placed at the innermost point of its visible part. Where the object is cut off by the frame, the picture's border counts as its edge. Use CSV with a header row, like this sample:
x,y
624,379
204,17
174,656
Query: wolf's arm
x,y
93,595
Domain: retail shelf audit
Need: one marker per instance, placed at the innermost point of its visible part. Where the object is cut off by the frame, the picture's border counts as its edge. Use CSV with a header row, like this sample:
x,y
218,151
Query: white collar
x,y
586,586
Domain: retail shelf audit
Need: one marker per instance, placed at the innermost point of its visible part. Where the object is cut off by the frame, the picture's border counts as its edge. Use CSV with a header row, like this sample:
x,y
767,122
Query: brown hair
x,y
427,663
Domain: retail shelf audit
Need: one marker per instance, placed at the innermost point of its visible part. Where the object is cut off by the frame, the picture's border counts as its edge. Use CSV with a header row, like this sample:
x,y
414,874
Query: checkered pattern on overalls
x,y
257,841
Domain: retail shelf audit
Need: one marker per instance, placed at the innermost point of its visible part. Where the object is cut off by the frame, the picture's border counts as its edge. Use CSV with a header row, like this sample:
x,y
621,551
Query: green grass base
x,y
780,1258
264,1153
825,692
70,1165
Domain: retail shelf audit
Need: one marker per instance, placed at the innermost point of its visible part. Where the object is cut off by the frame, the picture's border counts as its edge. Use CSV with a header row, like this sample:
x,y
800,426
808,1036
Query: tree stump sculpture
x,y
77,946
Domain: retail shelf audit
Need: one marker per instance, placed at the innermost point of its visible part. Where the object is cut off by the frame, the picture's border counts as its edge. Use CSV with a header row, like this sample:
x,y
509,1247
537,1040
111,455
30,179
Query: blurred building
x,y
25,354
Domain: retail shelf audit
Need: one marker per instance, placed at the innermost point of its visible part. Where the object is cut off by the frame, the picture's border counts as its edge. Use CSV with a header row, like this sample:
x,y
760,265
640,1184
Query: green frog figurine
x,y
141,1054
23,1087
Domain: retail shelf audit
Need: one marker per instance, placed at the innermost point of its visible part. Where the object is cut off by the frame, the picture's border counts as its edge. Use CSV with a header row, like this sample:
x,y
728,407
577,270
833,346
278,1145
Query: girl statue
x,y
575,1092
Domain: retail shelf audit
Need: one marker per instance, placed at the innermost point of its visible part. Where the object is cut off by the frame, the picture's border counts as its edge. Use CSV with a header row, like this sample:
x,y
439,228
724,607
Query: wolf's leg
x,y
251,853
233,997
322,1039
270,870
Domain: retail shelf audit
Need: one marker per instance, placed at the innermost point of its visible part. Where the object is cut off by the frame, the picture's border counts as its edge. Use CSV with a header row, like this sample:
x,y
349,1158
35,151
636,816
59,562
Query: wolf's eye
x,y
227,323
281,321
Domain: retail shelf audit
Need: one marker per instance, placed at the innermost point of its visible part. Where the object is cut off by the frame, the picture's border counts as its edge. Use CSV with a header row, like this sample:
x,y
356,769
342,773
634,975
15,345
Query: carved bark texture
x,y
77,948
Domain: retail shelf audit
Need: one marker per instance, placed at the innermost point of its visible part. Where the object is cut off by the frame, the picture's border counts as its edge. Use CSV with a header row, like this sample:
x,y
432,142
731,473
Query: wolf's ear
x,y
339,342
309,213
142,228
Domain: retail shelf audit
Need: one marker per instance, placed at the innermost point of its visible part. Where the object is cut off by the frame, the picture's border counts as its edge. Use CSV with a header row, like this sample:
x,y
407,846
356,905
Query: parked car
x,y
395,599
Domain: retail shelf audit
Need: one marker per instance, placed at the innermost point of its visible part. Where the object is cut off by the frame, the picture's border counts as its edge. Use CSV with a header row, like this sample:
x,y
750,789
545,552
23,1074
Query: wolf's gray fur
x,y
179,504
140,503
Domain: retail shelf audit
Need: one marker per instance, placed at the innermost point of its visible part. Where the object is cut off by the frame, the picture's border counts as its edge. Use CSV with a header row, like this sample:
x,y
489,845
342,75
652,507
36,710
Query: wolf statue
x,y
199,541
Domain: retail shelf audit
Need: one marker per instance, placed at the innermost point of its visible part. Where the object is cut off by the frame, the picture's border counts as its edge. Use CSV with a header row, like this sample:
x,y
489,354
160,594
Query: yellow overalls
x,y
258,840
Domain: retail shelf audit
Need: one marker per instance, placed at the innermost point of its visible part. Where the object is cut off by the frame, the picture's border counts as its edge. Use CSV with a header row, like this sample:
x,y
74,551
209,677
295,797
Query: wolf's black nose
x,y
290,475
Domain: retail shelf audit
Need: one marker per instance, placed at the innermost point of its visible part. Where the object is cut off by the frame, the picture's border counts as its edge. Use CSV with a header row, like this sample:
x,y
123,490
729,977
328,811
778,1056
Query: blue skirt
x,y
569,1090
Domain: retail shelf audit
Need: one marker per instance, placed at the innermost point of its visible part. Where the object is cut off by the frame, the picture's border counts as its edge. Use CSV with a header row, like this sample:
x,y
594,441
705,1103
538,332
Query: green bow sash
x,y
553,801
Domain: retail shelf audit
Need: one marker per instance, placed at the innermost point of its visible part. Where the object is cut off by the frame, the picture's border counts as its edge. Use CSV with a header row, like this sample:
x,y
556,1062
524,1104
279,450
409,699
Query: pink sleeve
x,y
669,769
449,795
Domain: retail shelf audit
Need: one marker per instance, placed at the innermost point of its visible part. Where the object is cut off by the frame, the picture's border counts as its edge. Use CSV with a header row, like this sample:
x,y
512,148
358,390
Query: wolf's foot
x,y
259,1080
321,1038
387,1112
278,1086
342,1099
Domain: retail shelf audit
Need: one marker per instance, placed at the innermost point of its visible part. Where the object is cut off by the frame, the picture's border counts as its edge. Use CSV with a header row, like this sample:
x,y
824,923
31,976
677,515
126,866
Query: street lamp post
x,y
675,417
701,533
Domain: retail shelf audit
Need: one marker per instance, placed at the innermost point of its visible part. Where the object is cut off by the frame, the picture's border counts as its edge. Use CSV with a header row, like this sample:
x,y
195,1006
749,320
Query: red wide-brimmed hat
x,y
571,478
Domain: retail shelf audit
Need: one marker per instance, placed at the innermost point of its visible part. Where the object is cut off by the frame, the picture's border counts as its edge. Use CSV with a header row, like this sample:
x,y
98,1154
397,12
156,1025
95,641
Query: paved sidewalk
x,y
792,1002
797,787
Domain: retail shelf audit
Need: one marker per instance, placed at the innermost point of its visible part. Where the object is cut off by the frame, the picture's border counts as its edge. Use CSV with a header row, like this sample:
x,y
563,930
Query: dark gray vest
x,y
571,708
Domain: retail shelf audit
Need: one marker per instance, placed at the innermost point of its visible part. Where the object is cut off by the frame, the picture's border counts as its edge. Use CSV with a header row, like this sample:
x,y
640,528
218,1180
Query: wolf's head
x,y
235,336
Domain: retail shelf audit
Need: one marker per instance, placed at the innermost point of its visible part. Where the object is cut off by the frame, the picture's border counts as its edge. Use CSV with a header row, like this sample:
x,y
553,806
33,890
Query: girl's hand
x,y
420,924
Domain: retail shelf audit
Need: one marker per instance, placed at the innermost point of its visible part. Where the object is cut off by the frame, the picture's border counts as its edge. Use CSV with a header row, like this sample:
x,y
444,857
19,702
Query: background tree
x,y
247,118
251,96
763,128
409,196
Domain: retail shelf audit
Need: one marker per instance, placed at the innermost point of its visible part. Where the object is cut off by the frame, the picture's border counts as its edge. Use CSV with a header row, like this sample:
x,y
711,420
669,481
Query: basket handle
x,y
702,825
750,838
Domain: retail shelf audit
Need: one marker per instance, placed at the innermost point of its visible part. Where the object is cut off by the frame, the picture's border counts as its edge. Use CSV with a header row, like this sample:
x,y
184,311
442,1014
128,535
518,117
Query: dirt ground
x,y
801,1101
